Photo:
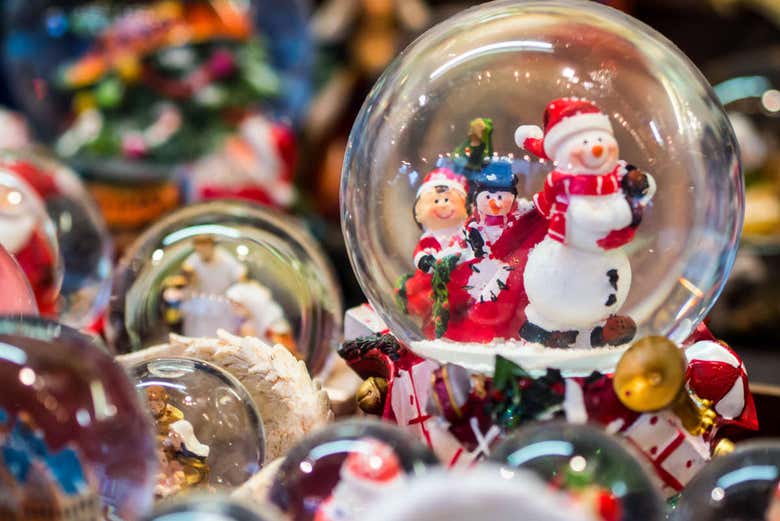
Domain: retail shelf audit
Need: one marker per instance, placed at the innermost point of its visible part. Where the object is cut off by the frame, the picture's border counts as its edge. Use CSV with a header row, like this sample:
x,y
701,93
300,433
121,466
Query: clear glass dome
x,y
212,508
741,486
84,244
73,432
594,468
228,265
340,471
18,297
748,85
209,431
130,89
461,91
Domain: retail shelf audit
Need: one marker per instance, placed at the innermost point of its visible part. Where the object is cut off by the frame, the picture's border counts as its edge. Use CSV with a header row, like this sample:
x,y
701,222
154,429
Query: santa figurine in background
x,y
369,473
29,235
578,277
257,163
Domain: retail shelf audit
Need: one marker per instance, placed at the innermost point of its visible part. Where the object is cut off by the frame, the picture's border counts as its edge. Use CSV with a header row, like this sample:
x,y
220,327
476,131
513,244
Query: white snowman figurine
x,y
578,277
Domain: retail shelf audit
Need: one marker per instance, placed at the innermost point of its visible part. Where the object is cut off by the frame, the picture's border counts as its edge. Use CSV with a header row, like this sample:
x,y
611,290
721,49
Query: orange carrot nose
x,y
494,206
597,150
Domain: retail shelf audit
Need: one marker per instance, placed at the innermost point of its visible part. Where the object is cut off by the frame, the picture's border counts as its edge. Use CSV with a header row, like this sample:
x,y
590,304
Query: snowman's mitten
x,y
635,183
426,263
477,242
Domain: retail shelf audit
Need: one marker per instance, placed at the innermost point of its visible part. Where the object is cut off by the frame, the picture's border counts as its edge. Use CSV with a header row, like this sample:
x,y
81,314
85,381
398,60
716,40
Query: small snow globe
x,y
209,432
231,266
130,90
74,436
212,508
18,298
338,473
541,180
594,469
85,249
741,486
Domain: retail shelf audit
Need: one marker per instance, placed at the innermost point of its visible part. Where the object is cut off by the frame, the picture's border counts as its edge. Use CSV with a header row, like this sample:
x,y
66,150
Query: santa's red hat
x,y
374,462
563,118
444,177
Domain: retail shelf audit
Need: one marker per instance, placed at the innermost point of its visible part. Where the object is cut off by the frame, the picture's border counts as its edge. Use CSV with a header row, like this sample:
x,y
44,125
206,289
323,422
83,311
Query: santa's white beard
x,y
16,231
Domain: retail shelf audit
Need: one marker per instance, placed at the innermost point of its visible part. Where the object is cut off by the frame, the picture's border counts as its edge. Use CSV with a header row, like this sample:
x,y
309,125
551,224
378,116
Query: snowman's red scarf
x,y
553,201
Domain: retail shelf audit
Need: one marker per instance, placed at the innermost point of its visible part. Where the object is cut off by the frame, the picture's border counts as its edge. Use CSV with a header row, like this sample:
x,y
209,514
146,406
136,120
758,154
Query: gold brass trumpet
x,y
650,376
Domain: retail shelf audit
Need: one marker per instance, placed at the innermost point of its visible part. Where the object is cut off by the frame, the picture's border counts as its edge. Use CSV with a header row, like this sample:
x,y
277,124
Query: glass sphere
x,y
741,486
18,297
748,85
456,120
211,508
483,492
209,431
84,244
594,468
73,433
232,266
128,90
338,472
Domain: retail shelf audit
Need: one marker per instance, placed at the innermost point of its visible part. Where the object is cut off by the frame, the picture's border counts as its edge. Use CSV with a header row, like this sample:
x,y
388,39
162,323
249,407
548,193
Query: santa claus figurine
x,y
578,277
369,473
28,234
440,210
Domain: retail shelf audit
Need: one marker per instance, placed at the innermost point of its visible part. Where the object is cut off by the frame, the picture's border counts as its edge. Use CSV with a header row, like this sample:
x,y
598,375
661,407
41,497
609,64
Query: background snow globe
x,y
84,246
212,508
209,432
741,486
73,433
594,469
231,266
483,106
126,90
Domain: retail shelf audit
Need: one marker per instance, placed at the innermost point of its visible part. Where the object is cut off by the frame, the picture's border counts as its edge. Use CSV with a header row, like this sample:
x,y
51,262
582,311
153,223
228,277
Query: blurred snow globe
x,y
741,486
18,297
538,179
232,266
208,507
748,85
127,90
591,467
83,251
340,472
74,436
209,432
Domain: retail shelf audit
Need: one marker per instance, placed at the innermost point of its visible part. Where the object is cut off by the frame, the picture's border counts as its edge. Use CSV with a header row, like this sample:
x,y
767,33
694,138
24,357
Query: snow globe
x,y
530,190
129,90
209,432
84,245
339,472
595,470
230,266
483,492
73,432
212,508
18,298
742,486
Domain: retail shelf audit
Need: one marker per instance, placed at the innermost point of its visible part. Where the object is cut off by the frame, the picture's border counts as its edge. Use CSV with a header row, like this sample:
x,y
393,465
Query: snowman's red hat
x,y
563,118
444,177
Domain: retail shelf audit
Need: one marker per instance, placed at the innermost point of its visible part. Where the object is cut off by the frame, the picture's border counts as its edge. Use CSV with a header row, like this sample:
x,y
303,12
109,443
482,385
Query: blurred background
x,y
322,59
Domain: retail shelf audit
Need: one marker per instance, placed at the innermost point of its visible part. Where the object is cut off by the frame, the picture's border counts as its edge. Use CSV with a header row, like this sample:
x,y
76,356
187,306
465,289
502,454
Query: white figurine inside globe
x,y
546,181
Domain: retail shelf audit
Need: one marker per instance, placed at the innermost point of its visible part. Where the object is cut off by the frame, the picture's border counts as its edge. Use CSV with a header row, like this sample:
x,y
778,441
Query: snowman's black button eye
x,y
446,200
599,140
585,142
488,196
436,201
500,197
